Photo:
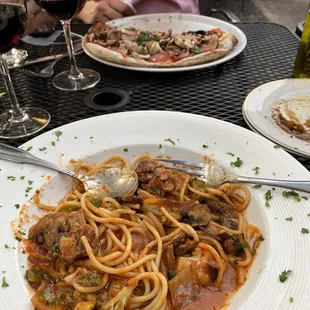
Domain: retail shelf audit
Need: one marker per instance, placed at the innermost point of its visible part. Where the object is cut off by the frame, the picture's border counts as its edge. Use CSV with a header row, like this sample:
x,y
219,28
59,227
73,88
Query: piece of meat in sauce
x,y
199,215
46,231
61,232
70,246
145,170
182,244
169,258
228,215
232,246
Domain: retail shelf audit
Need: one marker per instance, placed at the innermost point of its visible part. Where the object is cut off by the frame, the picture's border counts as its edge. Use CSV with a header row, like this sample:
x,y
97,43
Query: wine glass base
x,y
86,79
31,121
15,56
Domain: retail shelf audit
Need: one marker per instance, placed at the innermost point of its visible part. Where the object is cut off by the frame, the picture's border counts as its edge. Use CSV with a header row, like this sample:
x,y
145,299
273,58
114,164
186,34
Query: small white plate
x,y
257,112
178,23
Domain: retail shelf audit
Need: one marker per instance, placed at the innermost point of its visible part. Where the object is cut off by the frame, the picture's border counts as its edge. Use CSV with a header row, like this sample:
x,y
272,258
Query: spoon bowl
x,y
114,182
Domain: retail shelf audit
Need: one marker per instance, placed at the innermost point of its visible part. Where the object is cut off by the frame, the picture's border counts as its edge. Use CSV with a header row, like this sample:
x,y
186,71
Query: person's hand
x,y
36,17
104,11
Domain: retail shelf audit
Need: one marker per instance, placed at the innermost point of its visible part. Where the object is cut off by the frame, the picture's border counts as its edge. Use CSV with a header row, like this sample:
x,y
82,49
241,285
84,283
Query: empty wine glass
x,y
75,78
18,122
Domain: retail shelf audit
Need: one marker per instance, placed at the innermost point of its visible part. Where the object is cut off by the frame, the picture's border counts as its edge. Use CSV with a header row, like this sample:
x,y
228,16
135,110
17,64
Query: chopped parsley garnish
x,y
90,279
268,196
205,146
237,163
28,189
18,239
29,148
171,274
55,248
30,182
159,146
243,245
58,133
53,143
256,169
293,194
125,150
261,238
289,219
22,177
196,50
91,137
97,203
4,283
257,186
42,149
17,206
75,137
291,299
308,214
283,276
231,154
10,177
305,230
145,37
6,246
276,146
170,140
154,190
304,197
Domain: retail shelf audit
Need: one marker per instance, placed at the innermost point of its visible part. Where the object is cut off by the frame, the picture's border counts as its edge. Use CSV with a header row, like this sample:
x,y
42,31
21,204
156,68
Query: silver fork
x,y
213,175
46,72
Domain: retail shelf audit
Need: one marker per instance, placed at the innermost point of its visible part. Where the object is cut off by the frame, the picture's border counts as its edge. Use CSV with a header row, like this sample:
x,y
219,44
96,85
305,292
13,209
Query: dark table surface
x,y
218,92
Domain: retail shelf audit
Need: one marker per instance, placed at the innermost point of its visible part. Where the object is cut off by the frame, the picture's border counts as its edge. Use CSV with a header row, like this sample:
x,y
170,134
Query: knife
x,y
77,50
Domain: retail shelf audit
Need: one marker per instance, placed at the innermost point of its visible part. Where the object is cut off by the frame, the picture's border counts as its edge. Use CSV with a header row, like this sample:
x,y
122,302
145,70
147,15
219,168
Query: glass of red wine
x,y
75,78
17,122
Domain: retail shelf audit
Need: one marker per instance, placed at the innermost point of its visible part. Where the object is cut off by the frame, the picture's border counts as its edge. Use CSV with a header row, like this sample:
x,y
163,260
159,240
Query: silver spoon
x,y
48,71
116,182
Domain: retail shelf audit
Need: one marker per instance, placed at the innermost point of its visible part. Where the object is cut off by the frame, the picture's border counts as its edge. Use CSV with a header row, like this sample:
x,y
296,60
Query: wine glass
x,y
75,78
17,122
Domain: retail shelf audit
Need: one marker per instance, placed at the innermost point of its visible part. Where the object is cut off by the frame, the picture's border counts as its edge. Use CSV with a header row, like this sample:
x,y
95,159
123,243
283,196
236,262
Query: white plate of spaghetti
x,y
174,243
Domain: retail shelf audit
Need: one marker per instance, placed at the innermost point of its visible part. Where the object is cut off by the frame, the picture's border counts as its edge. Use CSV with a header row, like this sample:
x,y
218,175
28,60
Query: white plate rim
x,y
232,54
171,116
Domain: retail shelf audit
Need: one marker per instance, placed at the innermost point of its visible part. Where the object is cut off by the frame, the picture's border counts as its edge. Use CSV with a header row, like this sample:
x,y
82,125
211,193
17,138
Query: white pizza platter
x,y
177,23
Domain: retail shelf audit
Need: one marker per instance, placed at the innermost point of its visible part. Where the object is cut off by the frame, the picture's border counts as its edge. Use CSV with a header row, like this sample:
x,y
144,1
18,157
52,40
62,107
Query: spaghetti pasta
x,y
169,245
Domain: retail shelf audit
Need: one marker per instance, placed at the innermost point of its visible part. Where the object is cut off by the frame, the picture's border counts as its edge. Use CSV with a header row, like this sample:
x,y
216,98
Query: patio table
x,y
218,92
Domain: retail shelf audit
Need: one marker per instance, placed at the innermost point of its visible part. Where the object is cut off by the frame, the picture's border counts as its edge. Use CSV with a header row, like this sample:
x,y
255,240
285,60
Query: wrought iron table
x,y
218,92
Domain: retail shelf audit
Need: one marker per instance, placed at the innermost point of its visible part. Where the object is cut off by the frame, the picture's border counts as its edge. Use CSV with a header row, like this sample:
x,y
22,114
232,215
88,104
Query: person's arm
x,y
103,11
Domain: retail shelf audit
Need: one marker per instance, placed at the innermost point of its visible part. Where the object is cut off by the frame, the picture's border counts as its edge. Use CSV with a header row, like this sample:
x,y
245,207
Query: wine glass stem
x,y
67,31
9,86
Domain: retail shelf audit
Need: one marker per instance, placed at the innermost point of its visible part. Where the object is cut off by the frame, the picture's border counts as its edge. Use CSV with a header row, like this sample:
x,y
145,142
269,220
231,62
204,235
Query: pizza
x,y
157,49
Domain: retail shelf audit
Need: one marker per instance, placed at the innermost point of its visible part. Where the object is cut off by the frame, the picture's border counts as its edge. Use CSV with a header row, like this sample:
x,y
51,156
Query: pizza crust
x,y
226,44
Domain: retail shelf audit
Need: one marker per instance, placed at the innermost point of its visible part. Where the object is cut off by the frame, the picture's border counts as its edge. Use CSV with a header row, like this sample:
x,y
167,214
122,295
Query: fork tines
x,y
184,163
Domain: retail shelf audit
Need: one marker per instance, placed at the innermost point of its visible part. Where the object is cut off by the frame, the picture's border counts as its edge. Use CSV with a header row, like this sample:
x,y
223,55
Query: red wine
x,y
13,19
61,9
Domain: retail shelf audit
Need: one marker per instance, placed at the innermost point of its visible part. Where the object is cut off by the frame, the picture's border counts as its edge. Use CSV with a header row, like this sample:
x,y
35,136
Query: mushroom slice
x,y
153,47
140,56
